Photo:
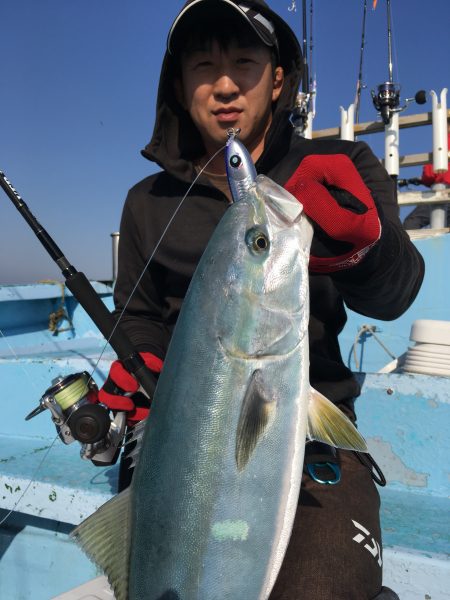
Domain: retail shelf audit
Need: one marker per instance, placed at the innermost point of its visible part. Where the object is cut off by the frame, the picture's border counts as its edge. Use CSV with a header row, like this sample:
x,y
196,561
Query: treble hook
x,y
232,133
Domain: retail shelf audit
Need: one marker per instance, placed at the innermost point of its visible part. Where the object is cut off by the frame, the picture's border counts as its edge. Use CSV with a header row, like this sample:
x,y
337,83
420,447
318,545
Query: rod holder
x,y
438,212
115,254
348,123
391,145
440,143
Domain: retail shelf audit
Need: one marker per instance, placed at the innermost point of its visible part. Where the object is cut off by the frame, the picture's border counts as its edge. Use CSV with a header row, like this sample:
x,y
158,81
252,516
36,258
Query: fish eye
x,y
235,161
257,240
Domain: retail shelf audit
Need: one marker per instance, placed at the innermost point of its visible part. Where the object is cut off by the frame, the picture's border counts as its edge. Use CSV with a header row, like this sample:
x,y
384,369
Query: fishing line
x,y
153,254
44,458
30,483
16,357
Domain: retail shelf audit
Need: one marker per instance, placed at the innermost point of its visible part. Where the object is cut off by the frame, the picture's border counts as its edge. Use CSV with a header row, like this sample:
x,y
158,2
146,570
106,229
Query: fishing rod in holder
x,y
72,400
387,98
303,111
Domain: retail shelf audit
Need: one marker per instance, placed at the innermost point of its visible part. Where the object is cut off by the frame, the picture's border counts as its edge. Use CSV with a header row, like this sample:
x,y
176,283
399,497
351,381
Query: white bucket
x,y
431,353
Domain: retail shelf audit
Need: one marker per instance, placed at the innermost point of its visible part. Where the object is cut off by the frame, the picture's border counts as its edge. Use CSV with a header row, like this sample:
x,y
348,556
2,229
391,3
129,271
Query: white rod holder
x,y
348,123
438,212
115,254
440,145
391,145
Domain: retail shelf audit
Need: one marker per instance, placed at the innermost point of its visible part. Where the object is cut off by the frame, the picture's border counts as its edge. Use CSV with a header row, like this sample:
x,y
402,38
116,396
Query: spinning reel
x,y
300,113
387,100
72,402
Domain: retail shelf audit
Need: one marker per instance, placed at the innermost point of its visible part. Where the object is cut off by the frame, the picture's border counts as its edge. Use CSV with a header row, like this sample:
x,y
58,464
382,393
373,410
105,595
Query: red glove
x,y
336,198
121,382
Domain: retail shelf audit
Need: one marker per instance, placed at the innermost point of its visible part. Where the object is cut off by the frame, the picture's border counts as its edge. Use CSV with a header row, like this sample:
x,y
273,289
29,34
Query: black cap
x,y
261,25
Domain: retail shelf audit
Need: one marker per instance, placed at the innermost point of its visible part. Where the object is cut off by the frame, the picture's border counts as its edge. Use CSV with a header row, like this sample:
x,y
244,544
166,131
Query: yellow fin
x,y
328,424
105,537
256,415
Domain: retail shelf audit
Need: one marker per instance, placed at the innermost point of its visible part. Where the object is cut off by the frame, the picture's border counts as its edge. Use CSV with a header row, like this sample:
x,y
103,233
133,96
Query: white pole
x,y
115,254
391,145
440,145
348,123
438,212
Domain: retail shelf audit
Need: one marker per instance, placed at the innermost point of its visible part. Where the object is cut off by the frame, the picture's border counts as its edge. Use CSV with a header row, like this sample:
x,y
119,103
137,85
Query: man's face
x,y
230,88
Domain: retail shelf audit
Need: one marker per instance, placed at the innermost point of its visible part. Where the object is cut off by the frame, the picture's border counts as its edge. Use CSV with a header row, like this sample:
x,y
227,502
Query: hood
x,y
172,146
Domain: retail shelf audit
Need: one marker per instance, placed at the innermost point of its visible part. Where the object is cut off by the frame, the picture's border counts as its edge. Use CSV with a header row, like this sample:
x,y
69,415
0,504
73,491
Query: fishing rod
x,y
305,77
312,78
302,109
359,84
387,98
72,399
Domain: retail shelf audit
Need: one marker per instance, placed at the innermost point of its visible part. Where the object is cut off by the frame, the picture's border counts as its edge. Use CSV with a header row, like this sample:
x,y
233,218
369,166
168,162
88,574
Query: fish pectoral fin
x,y
256,415
105,538
328,424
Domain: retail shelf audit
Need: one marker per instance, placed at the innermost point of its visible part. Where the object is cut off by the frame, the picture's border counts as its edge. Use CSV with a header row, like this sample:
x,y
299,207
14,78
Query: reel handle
x,y
35,412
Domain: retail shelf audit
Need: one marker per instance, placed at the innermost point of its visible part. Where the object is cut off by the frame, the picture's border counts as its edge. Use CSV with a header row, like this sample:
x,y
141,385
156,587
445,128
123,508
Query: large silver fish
x,y
210,509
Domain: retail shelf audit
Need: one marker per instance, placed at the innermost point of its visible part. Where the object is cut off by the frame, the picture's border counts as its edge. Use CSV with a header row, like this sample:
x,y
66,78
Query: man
x,y
238,64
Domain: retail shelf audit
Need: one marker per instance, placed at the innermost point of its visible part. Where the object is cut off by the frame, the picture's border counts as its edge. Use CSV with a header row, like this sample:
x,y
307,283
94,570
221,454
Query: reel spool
x,y
72,402
387,100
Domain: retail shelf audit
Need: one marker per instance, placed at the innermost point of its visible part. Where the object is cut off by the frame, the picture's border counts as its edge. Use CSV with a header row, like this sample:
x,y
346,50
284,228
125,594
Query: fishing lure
x,y
240,168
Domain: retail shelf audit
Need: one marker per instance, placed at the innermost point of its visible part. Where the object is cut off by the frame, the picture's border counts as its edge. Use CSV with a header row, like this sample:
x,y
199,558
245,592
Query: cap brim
x,y
197,5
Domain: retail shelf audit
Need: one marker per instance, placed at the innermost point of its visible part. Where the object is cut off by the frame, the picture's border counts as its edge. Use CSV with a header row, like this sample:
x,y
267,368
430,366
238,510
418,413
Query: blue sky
x,y
79,82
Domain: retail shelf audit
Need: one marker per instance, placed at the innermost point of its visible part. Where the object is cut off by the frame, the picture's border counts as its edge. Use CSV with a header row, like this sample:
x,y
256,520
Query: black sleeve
x,y
418,218
137,302
384,284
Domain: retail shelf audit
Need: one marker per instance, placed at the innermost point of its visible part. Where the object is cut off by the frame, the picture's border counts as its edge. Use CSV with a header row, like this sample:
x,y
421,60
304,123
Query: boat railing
x,y
439,195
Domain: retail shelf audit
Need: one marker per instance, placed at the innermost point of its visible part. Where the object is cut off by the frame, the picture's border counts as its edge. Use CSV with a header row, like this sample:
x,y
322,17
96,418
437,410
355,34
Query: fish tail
x,y
105,538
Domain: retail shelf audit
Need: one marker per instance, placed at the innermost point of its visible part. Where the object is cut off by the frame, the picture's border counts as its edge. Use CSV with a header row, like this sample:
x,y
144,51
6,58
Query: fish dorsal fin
x,y
328,424
256,414
105,537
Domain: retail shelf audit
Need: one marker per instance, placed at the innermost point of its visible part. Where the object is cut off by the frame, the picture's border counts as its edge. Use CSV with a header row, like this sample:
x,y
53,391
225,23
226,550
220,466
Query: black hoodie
x,y
381,286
